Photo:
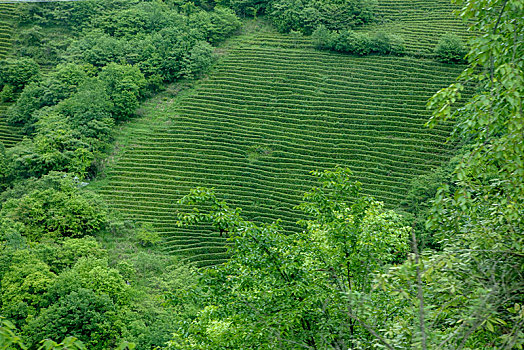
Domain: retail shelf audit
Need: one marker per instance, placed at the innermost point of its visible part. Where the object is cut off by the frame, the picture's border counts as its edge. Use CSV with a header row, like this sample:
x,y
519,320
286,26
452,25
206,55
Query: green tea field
x,y
8,135
264,118
419,22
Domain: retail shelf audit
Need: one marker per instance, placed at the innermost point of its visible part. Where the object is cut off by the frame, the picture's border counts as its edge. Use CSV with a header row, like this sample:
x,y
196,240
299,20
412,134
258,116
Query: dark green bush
x,y
61,84
57,213
451,49
305,16
17,72
349,41
216,25
198,60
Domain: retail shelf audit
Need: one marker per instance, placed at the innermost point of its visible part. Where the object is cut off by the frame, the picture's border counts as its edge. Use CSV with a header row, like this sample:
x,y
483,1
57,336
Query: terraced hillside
x,y
8,135
267,116
421,23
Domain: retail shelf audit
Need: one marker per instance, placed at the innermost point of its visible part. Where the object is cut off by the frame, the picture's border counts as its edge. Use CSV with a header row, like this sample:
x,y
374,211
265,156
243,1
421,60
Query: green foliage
x,y
23,286
216,25
69,343
57,212
61,290
419,201
323,38
305,16
89,114
90,317
7,93
71,15
123,84
147,236
358,43
450,49
60,85
468,294
18,72
246,7
301,289
198,60
4,172
9,340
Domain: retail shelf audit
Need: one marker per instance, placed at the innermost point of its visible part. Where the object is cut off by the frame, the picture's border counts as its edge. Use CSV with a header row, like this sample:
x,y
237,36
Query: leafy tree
x,y
124,84
89,317
23,286
216,25
89,112
358,43
96,48
450,49
301,290
18,72
323,38
9,340
198,60
468,295
147,236
305,16
246,7
61,84
57,213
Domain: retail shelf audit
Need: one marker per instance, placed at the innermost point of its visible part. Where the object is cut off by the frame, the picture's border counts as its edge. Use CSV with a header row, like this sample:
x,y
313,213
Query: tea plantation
x,y
271,111
8,135
420,23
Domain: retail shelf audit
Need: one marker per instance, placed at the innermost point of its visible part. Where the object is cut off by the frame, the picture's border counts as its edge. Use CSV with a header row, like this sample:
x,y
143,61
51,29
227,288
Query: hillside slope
x,y
9,136
420,23
268,115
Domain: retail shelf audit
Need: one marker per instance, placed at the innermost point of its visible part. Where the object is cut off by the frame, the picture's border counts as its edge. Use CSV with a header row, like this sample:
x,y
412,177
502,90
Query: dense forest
x,y
262,174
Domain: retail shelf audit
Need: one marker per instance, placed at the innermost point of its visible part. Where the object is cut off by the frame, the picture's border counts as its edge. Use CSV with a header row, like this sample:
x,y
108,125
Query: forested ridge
x,y
252,174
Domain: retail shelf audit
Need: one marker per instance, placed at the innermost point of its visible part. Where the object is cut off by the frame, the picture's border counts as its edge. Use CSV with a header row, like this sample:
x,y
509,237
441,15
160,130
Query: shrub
x,y
216,25
198,60
358,43
57,212
351,42
18,72
450,49
323,38
7,94
305,16
385,44
124,85
147,236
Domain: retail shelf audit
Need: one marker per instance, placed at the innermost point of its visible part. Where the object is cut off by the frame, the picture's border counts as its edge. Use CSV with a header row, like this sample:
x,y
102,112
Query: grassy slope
x,y
8,135
271,111
421,23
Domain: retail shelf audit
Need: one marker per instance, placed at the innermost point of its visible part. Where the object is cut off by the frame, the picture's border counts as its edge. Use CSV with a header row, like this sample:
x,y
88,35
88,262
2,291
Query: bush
x,y
147,236
450,49
7,94
61,84
198,60
357,43
323,38
124,85
18,72
57,213
305,16
216,25
385,44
